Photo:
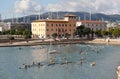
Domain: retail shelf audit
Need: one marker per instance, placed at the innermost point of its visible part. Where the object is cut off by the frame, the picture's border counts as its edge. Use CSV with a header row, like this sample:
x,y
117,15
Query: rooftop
x,y
50,20
69,15
91,21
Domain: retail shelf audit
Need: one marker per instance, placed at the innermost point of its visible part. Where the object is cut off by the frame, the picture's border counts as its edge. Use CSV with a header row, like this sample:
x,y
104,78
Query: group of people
x,y
25,66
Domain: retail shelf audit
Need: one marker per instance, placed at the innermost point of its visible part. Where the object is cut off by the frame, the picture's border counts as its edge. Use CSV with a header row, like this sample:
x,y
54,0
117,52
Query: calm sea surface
x,y
106,57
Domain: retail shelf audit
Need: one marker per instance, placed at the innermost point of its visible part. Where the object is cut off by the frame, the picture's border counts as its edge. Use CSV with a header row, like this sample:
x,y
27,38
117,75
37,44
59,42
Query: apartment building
x,y
4,26
47,27
94,25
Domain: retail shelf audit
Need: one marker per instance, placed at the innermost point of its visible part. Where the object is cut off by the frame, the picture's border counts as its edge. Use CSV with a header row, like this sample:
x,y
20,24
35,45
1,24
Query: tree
x,y
18,32
92,33
98,33
27,34
116,32
110,32
19,27
54,35
12,32
67,35
80,31
87,32
104,33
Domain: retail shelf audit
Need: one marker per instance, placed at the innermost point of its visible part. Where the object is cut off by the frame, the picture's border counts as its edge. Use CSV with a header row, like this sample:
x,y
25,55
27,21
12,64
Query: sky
x,y
14,8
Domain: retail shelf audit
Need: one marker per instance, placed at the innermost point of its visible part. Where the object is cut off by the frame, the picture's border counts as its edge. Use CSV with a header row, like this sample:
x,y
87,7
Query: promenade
x,y
41,42
66,41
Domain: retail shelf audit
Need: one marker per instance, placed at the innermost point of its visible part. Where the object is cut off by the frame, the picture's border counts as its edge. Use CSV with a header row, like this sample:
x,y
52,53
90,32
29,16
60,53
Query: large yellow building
x,y
47,27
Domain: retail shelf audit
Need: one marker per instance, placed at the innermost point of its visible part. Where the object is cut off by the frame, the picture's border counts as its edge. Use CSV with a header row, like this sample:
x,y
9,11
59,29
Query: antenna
x,y
90,16
24,16
0,18
16,19
36,17
57,16
39,14
13,17
79,18
84,16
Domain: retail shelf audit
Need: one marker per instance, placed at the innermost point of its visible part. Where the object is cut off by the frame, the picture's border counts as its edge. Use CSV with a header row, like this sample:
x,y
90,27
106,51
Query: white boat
x,y
52,52
92,63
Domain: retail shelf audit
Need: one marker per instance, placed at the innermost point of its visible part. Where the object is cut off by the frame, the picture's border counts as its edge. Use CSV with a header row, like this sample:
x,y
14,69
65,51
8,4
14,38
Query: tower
x,y
70,17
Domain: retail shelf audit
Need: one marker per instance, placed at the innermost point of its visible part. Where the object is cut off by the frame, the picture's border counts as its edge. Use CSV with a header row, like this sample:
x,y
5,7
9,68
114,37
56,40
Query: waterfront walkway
x,y
66,41
41,42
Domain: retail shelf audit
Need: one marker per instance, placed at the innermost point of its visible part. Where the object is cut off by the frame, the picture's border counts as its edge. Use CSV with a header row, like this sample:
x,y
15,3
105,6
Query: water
x,y
107,59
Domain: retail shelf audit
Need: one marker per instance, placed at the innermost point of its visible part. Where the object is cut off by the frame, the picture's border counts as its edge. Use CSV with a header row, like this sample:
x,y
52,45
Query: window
x,y
56,25
51,24
47,29
59,30
66,25
62,30
59,24
74,24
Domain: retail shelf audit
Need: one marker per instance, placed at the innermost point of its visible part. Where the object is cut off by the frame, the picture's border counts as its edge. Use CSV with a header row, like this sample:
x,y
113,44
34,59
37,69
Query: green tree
x,y
80,31
98,33
116,32
12,32
110,32
18,32
104,33
7,32
27,34
87,31
54,35
19,27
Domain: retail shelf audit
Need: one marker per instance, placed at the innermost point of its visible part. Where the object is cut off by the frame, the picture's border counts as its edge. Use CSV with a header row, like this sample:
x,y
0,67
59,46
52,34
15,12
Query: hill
x,y
59,15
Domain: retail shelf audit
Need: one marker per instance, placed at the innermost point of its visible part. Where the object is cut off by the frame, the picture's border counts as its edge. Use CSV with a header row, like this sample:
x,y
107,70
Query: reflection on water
x,y
39,55
106,60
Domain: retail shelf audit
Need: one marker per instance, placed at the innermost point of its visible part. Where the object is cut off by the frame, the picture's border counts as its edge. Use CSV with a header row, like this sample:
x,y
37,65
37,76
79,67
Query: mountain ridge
x,y
60,15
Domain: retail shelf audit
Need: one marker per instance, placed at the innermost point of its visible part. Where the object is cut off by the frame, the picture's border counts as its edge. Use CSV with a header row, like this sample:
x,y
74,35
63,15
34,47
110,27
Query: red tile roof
x,y
91,21
50,20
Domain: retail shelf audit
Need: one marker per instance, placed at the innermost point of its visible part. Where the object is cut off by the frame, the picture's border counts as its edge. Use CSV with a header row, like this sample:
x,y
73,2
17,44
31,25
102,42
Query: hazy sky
x,y
26,7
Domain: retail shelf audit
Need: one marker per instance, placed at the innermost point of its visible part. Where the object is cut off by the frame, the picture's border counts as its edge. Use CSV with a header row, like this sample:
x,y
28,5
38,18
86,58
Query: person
x,y
33,63
81,61
26,66
66,61
52,61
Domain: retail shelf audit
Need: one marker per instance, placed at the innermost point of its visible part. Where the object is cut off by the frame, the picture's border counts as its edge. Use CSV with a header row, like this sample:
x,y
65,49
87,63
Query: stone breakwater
x,y
40,42
67,41
105,41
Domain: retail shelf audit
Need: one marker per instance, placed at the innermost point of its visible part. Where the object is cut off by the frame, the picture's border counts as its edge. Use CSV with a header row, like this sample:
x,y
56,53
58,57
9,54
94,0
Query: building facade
x,y
93,25
5,26
47,27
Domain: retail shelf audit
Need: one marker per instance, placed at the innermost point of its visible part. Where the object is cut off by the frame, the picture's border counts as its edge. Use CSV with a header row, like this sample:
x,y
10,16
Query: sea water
x,y
106,58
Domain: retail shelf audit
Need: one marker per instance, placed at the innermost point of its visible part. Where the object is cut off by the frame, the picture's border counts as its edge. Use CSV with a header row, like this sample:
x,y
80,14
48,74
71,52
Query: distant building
x,y
93,25
17,25
113,24
7,26
45,28
4,26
